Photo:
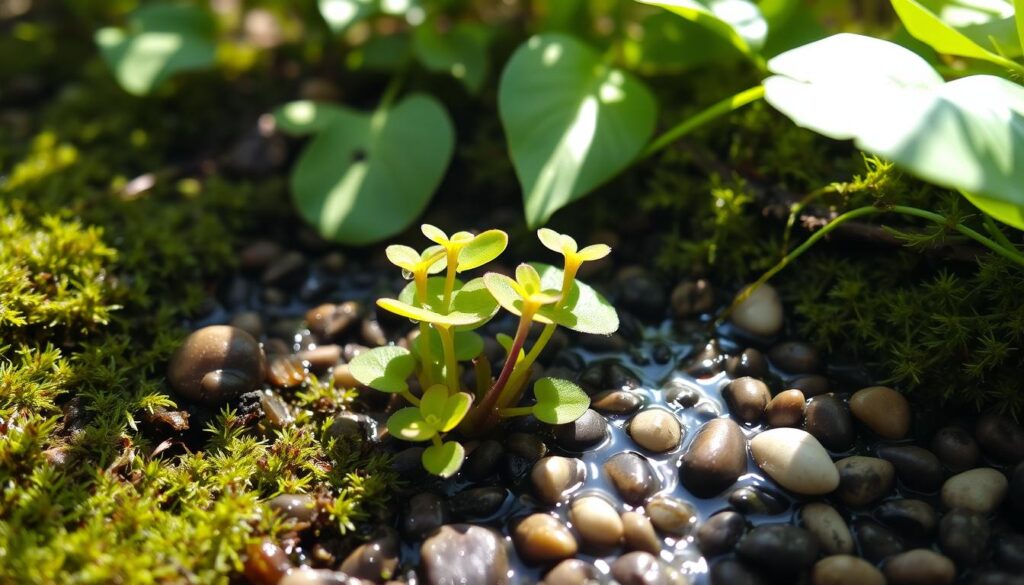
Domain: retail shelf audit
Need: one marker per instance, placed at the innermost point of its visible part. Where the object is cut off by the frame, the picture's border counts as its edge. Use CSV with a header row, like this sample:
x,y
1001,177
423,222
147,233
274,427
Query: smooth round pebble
x,y
864,480
597,522
979,490
964,537
795,357
747,398
553,477
829,421
1000,438
795,460
639,533
956,448
715,458
779,548
464,553
216,364
883,410
749,362
376,559
913,519
656,430
616,402
755,500
786,409
828,528
671,515
845,570
641,568
584,433
916,467
919,567
876,542
572,572
632,476
760,313
720,533
427,512
733,572
543,538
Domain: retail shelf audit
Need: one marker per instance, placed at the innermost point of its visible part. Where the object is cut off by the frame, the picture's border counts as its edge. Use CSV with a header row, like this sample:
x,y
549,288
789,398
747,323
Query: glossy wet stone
x,y
915,520
810,384
215,364
266,562
308,576
297,507
639,533
597,522
671,515
427,512
543,538
641,568
477,502
778,548
1000,438
321,358
747,398
883,410
876,542
760,313
828,528
632,476
616,402
917,468
554,477
572,572
795,357
786,409
919,567
752,500
733,572
795,460
964,536
682,393
749,362
656,430
329,321
376,560
464,553
526,445
955,448
587,431
715,458
483,461
829,421
979,490
845,570
864,480
286,372
720,533
692,297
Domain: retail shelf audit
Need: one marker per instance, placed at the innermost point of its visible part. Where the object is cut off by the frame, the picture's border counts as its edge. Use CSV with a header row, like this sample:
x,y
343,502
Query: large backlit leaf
x,y
443,460
979,30
460,52
967,134
384,368
1018,13
737,21
158,41
668,43
341,14
366,176
559,401
572,122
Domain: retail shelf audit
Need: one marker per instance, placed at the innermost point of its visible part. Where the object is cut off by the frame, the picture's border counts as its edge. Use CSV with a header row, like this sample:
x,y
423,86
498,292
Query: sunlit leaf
x,y
669,44
583,309
977,37
486,246
402,256
455,409
471,304
572,122
510,295
460,52
594,252
444,460
559,401
384,368
468,344
737,21
158,41
408,424
506,342
304,117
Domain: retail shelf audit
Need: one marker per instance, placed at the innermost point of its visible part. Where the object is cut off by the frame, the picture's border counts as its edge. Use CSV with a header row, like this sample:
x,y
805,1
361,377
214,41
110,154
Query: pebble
x,y
408,463
749,362
597,522
912,519
864,480
828,527
526,445
795,357
216,364
1000,438
321,358
639,533
956,448
616,402
682,393
372,333
554,477
810,384
632,476
754,500
640,293
249,321
275,410
760,313
706,362
720,533
296,507
829,421
483,461
307,576
779,548
427,512
543,538
715,458
919,567
656,430
733,572
464,553
883,410
342,377
286,371
257,255
1008,552
786,409
672,515
329,321
572,572
964,536
747,398
876,542
641,568
795,460
376,560
585,432
265,563
979,490
844,569
917,468
287,270
692,297
478,502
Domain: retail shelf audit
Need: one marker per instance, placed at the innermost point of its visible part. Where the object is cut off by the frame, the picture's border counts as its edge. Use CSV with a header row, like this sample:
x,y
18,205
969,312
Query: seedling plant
x,y
449,311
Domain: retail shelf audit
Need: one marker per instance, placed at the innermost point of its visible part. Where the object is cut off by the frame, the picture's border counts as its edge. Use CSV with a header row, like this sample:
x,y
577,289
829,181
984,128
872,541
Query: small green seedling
x,y
448,311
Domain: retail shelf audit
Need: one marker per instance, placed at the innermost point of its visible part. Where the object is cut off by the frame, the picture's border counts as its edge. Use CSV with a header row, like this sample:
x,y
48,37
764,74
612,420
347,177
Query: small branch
x,y
716,110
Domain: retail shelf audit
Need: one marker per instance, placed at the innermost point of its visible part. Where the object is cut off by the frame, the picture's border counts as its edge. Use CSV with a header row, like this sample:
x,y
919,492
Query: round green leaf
x,y
455,409
407,424
384,368
958,28
572,122
159,41
471,304
485,247
460,52
341,14
364,177
468,345
737,21
559,401
510,295
432,405
583,309
967,134
443,460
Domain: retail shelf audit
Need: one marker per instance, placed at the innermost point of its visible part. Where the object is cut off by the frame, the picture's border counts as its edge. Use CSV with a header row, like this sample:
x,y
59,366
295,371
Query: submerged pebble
x,y
671,515
883,410
828,527
656,430
779,548
864,480
554,477
919,567
747,398
796,460
639,534
715,459
633,477
597,522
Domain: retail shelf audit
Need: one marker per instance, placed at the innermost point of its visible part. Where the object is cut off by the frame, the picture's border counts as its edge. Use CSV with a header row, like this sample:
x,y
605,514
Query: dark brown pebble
x,y
707,362
692,297
795,357
375,560
749,362
964,536
913,519
275,409
828,420
779,548
747,398
715,459
483,461
1008,552
257,255
297,507
681,392
478,502
919,567
249,321
616,402
864,480
216,364
753,500
329,321
642,568
1000,438
786,409
810,384
372,334
632,476
720,533
584,433
917,468
956,448
427,512
876,542
266,563
572,572
733,572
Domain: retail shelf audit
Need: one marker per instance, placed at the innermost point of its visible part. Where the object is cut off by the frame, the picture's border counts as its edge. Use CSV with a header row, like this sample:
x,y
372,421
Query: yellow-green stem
x,y
451,366
716,110
517,411
449,278
411,398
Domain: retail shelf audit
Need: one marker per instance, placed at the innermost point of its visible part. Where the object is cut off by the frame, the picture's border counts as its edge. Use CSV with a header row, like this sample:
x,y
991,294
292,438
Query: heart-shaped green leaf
x,y
737,21
366,176
471,304
572,122
668,43
486,246
444,412
159,41
460,52
341,14
304,117
445,459
511,296
967,134
408,424
559,401
982,31
384,368
583,309
468,344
